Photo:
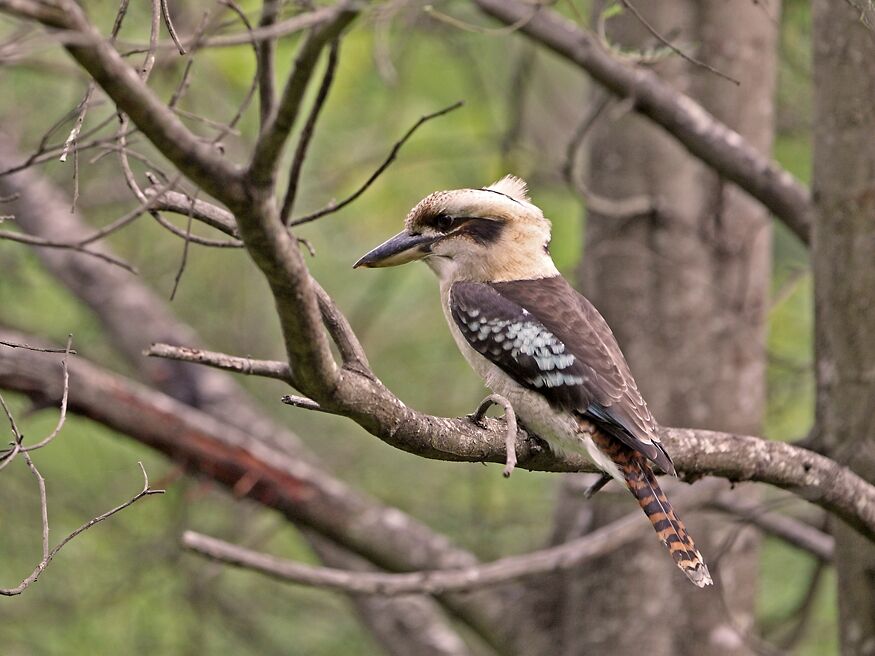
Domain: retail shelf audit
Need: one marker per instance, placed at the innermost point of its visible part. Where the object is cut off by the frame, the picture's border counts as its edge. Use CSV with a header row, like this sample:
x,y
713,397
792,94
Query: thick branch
x,y
703,135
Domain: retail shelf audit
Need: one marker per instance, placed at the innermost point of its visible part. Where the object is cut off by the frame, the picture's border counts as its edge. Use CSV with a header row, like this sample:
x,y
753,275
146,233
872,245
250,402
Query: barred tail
x,y
642,482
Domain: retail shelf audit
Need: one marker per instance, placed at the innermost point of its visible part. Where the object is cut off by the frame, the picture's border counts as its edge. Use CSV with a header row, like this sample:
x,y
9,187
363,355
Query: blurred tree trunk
x,y
843,254
685,289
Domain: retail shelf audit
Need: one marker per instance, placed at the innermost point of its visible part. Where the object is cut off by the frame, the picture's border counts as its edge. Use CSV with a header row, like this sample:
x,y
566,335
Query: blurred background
x,y
126,586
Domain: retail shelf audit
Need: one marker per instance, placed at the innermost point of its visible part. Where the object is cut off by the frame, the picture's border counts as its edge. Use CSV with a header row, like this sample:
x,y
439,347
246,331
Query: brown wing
x,y
551,339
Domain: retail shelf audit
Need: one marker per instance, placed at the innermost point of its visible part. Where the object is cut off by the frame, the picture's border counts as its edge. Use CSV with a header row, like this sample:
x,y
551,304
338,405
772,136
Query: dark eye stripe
x,y
483,231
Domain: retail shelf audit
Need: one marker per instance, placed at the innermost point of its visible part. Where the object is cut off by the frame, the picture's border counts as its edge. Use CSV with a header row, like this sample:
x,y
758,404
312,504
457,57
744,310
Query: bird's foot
x,y
509,420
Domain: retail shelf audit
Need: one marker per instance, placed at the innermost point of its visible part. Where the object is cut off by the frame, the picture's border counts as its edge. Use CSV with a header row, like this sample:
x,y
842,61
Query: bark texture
x,y
685,289
844,276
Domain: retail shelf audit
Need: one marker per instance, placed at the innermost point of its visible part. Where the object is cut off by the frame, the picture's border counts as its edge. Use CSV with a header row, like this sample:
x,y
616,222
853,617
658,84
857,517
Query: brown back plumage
x,y
642,482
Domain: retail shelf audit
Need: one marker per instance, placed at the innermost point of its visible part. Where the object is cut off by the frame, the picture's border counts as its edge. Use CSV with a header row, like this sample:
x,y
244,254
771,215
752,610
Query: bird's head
x,y
489,234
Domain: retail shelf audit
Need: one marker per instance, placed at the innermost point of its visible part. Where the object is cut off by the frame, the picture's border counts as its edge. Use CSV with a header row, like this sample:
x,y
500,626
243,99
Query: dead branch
x,y
668,44
179,203
701,133
246,366
794,532
39,242
49,554
307,132
196,159
268,150
333,207
282,28
435,582
265,52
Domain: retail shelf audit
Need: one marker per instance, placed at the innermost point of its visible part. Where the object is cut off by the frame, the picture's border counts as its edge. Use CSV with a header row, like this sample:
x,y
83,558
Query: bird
x,y
537,342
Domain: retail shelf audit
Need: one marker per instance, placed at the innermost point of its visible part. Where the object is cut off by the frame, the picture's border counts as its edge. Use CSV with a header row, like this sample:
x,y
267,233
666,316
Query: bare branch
x,y
268,149
17,444
554,559
272,32
37,348
331,208
47,243
792,531
668,44
247,366
307,132
49,555
703,135
179,203
265,51
199,161
168,23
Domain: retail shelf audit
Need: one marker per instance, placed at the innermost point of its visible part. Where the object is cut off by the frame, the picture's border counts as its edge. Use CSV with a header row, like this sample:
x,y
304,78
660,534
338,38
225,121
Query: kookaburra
x,y
538,343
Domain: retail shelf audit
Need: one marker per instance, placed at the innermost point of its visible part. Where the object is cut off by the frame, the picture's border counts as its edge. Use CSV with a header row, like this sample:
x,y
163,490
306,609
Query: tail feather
x,y
642,482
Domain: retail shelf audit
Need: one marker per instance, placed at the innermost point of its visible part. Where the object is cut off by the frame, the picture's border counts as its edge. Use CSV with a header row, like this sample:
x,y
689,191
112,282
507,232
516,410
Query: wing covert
x,y
550,339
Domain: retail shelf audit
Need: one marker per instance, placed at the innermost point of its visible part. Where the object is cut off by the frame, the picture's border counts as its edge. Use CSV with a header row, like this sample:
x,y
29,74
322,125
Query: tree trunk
x,y
843,255
685,289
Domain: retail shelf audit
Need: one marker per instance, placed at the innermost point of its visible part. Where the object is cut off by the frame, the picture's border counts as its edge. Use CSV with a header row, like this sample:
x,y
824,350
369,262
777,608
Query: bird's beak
x,y
400,249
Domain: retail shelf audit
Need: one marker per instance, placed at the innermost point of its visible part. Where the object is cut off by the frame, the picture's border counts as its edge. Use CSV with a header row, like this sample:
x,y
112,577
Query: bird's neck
x,y
499,267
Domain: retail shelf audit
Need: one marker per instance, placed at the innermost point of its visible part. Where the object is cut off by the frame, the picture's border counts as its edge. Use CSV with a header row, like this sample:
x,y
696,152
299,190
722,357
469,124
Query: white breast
x,y
560,429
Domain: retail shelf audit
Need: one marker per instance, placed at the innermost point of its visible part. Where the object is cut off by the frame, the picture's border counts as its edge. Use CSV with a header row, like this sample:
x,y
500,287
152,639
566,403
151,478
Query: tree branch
x,y
701,133
133,317
792,531
301,491
696,453
268,149
201,162
545,561
247,366
48,555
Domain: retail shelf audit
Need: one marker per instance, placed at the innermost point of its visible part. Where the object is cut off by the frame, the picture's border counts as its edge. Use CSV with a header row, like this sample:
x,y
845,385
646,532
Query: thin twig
x,y
17,443
307,132
279,29
479,29
334,207
36,348
168,23
195,239
184,259
48,555
45,243
265,58
668,44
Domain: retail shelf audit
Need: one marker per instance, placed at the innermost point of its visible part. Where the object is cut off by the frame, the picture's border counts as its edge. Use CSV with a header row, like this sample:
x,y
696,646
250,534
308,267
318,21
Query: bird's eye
x,y
444,222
